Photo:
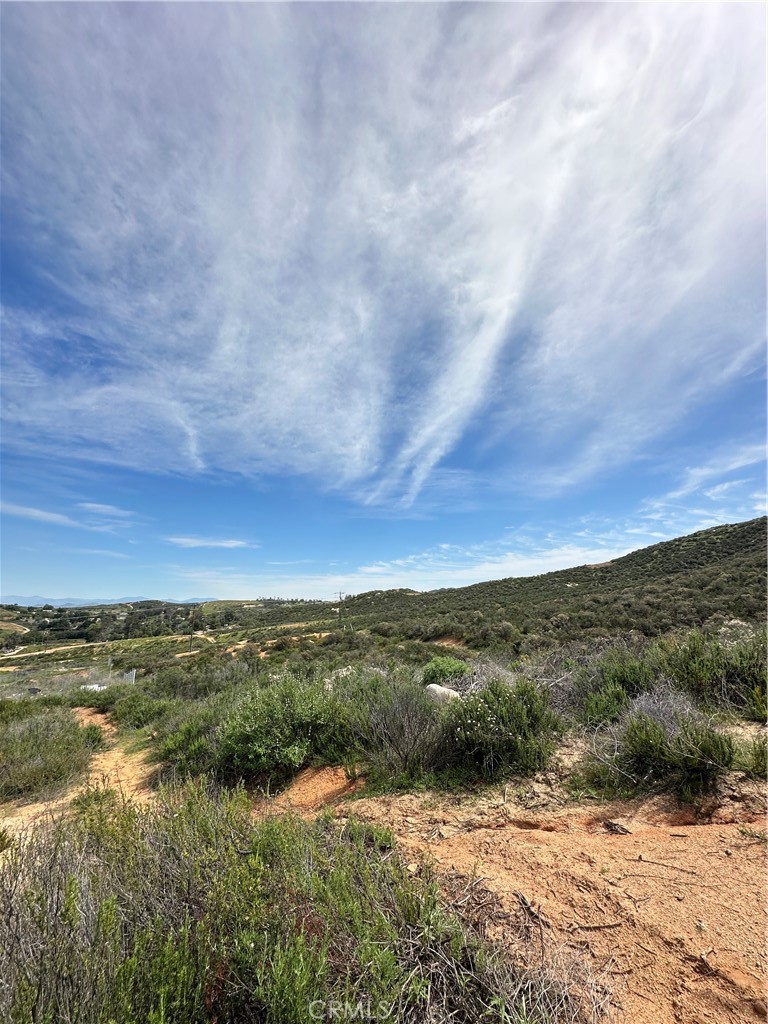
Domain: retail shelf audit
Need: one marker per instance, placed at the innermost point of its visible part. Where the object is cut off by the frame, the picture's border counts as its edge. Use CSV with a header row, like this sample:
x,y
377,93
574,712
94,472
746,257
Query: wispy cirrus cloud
x,y
208,542
112,511
720,464
99,518
39,515
102,553
325,241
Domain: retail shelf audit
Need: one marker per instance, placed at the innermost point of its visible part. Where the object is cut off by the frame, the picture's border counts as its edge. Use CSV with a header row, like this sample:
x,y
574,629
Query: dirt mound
x,y
314,788
674,914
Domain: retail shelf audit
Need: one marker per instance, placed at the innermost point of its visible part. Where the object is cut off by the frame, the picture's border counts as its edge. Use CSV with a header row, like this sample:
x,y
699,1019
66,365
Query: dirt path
x,y
99,643
51,650
129,773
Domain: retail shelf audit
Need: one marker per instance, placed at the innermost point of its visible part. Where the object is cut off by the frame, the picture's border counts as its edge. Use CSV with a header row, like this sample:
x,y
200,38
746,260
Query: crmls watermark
x,y
334,1009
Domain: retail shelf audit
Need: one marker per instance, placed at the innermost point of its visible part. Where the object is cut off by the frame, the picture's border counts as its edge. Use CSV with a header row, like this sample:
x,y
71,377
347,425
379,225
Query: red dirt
x,y
674,912
315,788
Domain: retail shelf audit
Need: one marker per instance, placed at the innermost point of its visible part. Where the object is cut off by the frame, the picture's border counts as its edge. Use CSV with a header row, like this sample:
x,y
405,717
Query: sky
x,y
307,298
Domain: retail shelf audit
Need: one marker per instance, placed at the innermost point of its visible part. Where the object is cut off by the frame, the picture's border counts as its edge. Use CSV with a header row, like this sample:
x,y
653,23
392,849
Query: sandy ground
x,y
671,912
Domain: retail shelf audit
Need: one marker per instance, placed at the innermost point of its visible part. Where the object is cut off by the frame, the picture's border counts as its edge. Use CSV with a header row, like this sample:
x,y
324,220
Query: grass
x,y
686,754
44,750
188,911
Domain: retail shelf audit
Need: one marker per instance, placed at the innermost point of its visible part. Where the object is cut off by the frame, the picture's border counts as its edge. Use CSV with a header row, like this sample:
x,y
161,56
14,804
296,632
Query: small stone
x,y
729,853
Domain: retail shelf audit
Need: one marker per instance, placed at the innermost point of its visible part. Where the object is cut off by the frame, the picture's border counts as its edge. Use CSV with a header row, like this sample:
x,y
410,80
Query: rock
x,y
442,694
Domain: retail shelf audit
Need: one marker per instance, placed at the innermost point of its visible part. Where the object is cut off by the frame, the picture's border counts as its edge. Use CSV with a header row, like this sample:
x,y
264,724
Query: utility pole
x,y
341,599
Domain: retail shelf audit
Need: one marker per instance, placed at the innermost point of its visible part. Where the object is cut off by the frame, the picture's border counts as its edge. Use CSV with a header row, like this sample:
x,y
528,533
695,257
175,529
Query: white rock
x,y
442,694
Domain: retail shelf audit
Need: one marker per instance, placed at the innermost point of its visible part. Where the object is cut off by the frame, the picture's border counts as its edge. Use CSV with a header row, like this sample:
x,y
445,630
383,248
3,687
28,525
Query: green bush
x,y
15,710
628,668
701,754
138,709
397,728
604,705
718,672
440,670
188,911
754,758
687,758
100,700
273,731
44,750
501,729
188,738
197,681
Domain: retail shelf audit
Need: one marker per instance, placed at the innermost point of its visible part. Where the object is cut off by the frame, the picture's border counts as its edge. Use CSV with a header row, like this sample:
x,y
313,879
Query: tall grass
x,y
44,750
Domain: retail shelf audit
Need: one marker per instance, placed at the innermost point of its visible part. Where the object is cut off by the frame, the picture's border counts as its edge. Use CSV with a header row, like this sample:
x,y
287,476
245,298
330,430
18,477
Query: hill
x,y
703,578
678,583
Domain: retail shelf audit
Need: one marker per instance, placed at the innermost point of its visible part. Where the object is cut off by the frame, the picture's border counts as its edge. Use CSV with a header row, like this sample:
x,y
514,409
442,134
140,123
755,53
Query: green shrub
x,y
397,728
92,736
501,729
44,750
440,670
604,705
138,709
687,759
717,672
197,681
272,732
754,758
627,668
188,911
701,755
188,738
644,749
15,710
100,700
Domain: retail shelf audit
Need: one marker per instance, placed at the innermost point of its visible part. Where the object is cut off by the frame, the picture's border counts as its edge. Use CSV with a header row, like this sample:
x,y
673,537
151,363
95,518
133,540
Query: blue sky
x,y
299,298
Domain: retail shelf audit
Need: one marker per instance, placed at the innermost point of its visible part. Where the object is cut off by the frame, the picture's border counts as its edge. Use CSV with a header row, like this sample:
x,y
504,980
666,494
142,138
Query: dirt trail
x,y
51,650
99,643
128,773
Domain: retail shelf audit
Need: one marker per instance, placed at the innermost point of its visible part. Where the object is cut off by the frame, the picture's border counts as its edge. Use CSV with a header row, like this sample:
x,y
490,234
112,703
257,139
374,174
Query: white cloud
x,y
111,511
101,553
318,240
38,515
101,519
722,463
208,542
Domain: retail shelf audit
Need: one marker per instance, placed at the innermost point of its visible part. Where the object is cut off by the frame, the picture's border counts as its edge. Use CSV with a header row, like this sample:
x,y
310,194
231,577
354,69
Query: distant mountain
x,y
88,602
